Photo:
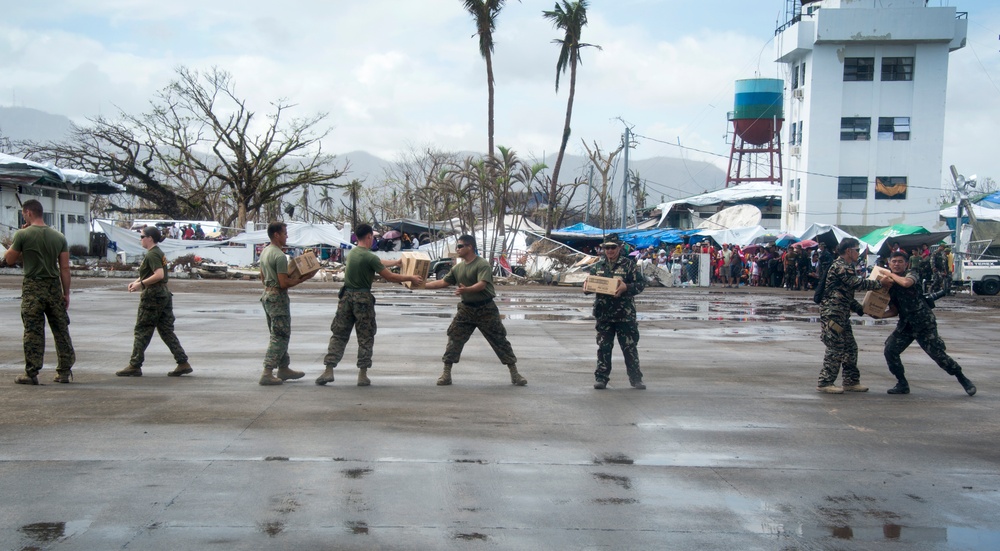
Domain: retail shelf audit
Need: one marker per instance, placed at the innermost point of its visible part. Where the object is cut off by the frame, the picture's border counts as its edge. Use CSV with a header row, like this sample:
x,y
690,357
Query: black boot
x,y
902,387
970,388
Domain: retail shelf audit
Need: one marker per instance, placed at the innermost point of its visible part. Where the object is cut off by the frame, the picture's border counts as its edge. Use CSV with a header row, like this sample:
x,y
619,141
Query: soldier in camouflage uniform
x,y
356,309
835,315
277,309
44,293
474,278
615,315
156,309
916,322
939,264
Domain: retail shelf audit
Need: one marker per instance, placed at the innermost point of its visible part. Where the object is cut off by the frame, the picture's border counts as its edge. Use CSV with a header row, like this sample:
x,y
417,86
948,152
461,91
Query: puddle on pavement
x,y
356,473
617,459
44,531
358,527
471,537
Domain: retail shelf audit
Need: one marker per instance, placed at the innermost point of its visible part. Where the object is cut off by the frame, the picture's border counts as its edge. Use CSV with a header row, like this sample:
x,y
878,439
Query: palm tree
x,y
485,13
571,17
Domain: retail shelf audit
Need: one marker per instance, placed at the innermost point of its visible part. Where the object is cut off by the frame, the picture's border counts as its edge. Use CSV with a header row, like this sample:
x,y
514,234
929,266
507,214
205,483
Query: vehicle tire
x,y
990,286
977,288
442,271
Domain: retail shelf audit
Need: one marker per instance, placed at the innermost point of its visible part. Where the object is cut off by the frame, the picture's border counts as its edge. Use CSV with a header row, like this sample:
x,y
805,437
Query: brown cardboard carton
x,y
875,302
303,265
601,285
415,263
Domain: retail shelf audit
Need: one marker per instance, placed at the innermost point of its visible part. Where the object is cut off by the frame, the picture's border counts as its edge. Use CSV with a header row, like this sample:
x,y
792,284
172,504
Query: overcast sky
x,y
400,74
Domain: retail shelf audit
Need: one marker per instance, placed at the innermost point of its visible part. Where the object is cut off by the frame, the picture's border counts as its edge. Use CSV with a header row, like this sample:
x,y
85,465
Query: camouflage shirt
x,y
608,307
842,280
910,303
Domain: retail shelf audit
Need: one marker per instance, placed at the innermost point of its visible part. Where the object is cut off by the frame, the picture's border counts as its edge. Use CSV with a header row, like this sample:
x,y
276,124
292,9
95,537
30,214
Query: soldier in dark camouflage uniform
x,y
916,322
277,308
156,309
44,293
616,315
356,309
939,263
474,278
835,315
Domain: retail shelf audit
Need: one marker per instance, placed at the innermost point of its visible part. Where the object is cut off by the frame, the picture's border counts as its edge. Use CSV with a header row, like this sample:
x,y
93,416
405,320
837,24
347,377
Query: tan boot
x,y
326,377
181,369
830,389
855,388
285,373
63,376
445,378
268,379
363,377
130,372
515,377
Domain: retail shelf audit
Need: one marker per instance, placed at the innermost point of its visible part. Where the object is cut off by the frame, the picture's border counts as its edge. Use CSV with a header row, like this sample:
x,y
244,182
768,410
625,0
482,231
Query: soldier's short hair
x,y
847,243
468,240
275,228
153,232
33,206
363,231
899,254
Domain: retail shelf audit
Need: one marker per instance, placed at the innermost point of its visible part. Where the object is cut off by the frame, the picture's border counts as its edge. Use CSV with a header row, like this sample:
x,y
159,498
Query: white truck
x,y
983,275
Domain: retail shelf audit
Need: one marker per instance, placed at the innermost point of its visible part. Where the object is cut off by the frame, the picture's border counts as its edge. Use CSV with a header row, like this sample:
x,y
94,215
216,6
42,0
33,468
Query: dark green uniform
x,y
835,315
277,309
156,312
476,311
616,316
356,309
939,264
916,322
42,297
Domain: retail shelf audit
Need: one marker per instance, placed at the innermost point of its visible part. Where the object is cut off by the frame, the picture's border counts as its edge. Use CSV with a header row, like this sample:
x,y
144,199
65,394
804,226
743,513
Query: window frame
x,y
852,187
897,69
891,181
892,128
855,132
855,67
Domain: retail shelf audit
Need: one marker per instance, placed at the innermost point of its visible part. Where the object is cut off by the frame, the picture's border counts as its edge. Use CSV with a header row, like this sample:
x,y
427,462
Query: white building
x,y
865,110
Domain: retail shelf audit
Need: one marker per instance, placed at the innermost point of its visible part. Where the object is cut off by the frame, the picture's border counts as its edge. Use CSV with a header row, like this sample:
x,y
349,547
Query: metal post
x,y
628,140
590,189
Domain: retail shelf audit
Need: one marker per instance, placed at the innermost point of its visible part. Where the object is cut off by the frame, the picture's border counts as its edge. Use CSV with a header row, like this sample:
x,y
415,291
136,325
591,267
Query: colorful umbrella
x,y
392,234
807,243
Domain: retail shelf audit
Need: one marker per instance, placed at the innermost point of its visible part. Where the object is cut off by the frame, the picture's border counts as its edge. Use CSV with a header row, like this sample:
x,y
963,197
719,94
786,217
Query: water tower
x,y
756,150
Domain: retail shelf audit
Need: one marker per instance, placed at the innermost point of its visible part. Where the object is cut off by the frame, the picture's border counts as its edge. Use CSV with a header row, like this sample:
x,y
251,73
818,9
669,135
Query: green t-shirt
x,y
362,265
471,273
154,260
273,262
40,247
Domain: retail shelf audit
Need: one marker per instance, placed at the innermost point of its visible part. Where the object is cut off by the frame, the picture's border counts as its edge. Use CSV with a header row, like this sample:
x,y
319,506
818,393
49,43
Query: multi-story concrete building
x,y
864,111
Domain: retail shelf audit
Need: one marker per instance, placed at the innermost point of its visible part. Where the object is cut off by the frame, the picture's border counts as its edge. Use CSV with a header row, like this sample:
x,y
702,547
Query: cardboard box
x,y
601,285
875,302
415,263
304,265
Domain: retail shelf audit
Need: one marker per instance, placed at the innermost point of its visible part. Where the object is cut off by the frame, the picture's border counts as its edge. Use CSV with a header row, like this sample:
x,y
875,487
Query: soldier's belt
x,y
477,304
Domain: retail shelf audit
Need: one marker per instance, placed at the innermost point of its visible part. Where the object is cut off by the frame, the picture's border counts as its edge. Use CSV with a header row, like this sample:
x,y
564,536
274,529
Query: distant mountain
x,y
22,123
667,177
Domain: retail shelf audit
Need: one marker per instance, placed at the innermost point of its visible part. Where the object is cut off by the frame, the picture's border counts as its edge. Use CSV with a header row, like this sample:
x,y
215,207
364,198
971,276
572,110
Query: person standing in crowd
x,y
916,322
616,316
939,264
474,278
277,309
842,280
356,309
156,309
44,293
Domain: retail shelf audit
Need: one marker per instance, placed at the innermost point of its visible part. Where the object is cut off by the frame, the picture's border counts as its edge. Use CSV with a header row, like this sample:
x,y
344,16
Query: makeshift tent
x,y
300,234
734,236
756,193
826,233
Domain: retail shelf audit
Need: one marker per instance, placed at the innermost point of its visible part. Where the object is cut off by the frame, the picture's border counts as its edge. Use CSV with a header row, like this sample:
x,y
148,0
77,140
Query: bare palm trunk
x,y
489,85
562,146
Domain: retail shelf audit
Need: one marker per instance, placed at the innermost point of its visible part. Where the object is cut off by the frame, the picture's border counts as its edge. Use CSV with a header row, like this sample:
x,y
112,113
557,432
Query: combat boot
x,y
63,376
445,378
902,387
26,379
601,385
268,379
363,379
285,373
130,372
637,384
181,369
970,388
326,377
515,377
830,389
855,388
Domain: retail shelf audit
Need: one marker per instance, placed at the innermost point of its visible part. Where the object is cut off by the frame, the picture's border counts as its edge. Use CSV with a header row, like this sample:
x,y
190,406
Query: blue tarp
x,y
637,238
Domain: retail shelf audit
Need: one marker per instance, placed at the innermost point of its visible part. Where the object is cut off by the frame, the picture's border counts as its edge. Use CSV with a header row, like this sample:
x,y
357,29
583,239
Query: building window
x,y
798,138
802,75
890,187
792,135
859,68
795,77
855,128
894,128
852,187
897,68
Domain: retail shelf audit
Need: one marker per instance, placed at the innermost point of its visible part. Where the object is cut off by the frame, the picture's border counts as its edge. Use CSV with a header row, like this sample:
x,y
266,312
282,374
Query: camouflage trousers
x,y
486,318
355,311
628,339
929,341
841,352
277,310
42,299
156,313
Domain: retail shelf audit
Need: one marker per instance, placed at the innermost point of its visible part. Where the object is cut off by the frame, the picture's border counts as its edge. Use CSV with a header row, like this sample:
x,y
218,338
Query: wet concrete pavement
x,y
730,447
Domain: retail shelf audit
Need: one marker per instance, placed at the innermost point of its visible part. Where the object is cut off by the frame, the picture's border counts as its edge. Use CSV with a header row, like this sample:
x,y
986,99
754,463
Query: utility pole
x,y
628,140
590,188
